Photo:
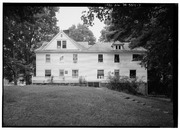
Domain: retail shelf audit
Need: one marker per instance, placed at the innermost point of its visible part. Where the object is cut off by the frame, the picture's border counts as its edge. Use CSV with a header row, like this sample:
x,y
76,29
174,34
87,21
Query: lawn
x,y
45,105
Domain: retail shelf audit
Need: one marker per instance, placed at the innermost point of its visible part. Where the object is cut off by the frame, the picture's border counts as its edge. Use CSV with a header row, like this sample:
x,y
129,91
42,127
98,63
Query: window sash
x,y
75,58
48,58
64,44
74,73
100,58
116,72
100,74
116,58
58,44
61,72
137,57
132,73
47,73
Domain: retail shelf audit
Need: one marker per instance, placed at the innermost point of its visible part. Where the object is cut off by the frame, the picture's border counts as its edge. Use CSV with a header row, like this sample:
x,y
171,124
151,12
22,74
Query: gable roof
x,y
85,44
85,47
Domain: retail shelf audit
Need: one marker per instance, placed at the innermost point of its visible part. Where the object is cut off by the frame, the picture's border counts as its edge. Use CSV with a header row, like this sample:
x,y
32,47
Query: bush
x,y
123,83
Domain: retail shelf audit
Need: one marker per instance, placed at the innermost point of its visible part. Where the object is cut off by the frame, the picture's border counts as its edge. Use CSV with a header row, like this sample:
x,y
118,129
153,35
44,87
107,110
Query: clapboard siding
x,y
53,44
88,65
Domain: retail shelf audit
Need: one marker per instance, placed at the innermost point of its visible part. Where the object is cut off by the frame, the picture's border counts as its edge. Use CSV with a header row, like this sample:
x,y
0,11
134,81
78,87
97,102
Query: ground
x,y
45,105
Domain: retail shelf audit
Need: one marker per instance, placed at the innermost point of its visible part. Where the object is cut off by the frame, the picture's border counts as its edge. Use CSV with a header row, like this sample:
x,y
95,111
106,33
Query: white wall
x,y
88,65
53,44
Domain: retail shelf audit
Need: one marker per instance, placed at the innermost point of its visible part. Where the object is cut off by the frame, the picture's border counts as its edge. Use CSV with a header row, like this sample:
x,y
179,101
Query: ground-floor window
x,y
47,73
132,73
61,72
116,72
100,74
75,73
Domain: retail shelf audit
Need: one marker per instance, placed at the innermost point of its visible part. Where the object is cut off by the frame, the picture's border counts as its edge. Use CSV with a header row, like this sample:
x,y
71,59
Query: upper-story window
x,y
137,57
58,44
116,58
100,58
64,44
48,59
61,59
132,74
75,58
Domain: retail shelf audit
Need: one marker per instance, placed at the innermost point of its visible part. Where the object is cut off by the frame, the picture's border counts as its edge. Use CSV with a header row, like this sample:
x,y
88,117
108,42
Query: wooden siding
x,y
88,65
53,44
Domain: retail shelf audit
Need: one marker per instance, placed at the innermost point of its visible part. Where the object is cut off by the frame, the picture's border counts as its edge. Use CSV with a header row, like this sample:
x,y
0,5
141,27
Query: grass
x,y
79,106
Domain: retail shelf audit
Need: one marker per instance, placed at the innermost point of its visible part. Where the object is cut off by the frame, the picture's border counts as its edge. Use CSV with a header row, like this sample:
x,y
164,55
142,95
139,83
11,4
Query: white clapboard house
x,y
64,60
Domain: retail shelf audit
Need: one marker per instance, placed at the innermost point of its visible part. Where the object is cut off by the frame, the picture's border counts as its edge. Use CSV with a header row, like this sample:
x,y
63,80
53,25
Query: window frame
x,y
138,58
100,59
75,75
64,43
100,74
115,71
115,58
59,47
61,70
75,58
48,58
46,72
130,74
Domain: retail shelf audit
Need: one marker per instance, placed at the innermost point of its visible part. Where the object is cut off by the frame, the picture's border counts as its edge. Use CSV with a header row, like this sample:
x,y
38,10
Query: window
x,y
75,73
61,72
58,44
48,58
132,73
116,72
66,72
137,57
75,58
100,74
64,44
61,58
47,73
116,58
100,58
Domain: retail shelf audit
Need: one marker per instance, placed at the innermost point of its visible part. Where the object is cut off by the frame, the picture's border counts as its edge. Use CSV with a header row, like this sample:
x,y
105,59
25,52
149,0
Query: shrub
x,y
123,83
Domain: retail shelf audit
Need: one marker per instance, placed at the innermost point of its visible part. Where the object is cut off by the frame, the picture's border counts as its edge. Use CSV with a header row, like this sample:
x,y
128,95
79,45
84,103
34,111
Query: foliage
x,y
24,28
150,27
81,33
123,83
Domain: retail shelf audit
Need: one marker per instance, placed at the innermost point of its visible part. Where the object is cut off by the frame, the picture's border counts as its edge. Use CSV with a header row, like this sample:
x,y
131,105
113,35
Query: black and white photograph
x,y
90,65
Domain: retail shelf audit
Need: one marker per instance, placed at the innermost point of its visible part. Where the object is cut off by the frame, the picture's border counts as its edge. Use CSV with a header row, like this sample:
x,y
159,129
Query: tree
x,y
148,26
24,27
81,33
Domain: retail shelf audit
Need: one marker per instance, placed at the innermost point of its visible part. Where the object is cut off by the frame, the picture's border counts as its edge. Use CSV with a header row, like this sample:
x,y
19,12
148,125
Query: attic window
x,y
58,44
118,47
61,35
64,44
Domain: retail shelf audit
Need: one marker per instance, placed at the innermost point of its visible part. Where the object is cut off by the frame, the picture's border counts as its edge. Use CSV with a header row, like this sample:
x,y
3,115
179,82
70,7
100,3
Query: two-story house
x,y
67,60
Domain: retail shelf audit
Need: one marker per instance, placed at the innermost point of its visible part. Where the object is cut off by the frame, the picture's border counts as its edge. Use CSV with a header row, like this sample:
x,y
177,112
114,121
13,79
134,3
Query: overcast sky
x,y
67,16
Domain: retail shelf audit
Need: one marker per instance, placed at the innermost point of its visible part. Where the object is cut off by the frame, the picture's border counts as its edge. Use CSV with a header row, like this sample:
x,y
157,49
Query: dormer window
x,y
118,47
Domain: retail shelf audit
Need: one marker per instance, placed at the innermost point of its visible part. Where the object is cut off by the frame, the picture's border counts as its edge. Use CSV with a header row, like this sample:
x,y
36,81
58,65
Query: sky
x,y
67,16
